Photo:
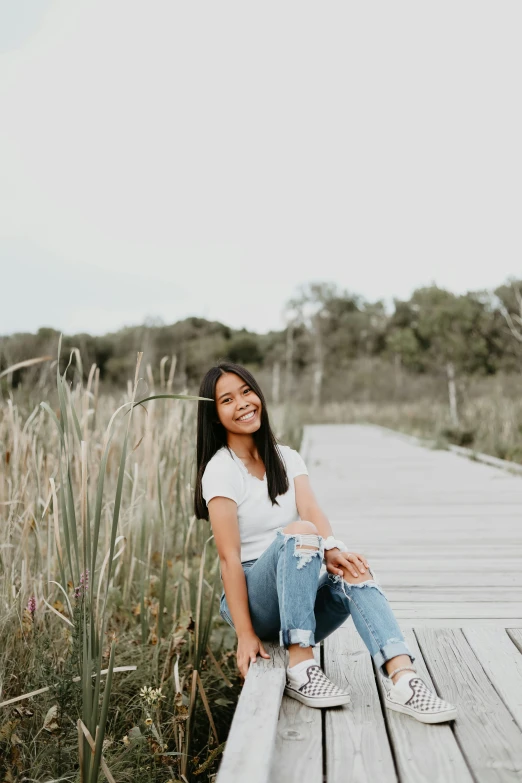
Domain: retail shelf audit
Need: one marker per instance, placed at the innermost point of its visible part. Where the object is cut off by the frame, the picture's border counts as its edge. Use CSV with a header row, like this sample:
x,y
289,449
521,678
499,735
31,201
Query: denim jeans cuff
x,y
392,648
303,638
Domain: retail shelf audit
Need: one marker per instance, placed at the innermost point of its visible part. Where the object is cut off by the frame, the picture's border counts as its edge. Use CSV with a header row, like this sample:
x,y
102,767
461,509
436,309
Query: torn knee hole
x,y
357,585
306,547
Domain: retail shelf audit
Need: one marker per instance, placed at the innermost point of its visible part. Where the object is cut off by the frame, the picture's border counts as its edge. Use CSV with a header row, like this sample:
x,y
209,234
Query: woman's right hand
x,y
248,647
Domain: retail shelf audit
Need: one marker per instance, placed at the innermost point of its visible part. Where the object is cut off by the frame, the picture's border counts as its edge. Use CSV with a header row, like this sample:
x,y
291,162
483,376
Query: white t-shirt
x,y
226,476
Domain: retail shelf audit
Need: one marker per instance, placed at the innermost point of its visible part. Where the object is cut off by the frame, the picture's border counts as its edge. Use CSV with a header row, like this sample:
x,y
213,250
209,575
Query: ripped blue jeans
x,y
292,603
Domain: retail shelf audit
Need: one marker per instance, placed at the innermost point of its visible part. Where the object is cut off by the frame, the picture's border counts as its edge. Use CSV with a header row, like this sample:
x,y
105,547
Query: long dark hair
x,y
212,436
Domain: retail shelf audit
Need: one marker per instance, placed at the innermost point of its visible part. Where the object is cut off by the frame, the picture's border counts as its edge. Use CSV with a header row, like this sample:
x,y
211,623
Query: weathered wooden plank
x,y
497,564
452,501
422,532
484,609
250,744
436,593
356,744
475,564
511,547
484,728
515,634
420,521
409,579
423,752
508,547
349,502
502,662
298,750
457,622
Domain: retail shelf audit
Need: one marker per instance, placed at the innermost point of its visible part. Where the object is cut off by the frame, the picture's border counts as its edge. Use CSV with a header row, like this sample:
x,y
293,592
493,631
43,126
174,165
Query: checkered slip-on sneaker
x,y
412,696
318,690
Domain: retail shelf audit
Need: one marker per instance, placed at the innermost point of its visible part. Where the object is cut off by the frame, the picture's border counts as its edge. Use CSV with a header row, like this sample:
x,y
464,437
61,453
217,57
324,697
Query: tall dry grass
x,y
113,658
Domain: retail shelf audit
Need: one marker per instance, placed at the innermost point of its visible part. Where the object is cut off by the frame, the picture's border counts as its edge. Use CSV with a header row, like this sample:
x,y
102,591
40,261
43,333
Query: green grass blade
x,y
117,506
85,674
171,397
56,420
76,423
208,624
100,735
163,575
199,609
63,407
143,619
65,519
97,511
73,530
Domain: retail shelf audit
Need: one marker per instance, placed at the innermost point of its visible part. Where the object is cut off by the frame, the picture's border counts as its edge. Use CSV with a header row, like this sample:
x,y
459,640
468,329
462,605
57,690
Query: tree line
x,y
327,329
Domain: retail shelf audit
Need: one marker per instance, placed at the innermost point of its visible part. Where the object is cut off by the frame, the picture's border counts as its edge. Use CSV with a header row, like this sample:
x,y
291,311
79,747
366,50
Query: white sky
x,y
169,158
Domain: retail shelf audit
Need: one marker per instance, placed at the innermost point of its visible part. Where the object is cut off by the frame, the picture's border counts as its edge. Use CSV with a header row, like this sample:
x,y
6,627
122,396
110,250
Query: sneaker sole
x,y
423,717
318,701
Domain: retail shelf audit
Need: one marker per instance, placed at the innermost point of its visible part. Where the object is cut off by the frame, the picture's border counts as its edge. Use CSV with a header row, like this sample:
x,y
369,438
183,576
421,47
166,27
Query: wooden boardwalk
x,y
443,535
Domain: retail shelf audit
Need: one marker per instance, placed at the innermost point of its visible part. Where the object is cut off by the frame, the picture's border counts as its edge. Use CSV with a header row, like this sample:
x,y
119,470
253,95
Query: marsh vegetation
x,y
114,660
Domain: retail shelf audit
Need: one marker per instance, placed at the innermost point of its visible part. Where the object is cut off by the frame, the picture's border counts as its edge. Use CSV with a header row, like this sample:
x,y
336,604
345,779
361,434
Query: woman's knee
x,y
301,526
307,539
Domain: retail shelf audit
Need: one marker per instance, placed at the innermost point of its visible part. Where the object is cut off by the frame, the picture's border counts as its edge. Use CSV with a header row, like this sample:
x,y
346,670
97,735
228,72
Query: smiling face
x,y
238,407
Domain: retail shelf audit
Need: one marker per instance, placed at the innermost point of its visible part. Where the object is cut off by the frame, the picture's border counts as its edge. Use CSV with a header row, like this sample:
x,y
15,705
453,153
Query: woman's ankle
x,y
398,676
296,654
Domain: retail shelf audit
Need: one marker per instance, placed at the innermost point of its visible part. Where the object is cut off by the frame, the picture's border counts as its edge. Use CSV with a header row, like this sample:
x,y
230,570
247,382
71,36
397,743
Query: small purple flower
x,y
31,606
84,579
83,586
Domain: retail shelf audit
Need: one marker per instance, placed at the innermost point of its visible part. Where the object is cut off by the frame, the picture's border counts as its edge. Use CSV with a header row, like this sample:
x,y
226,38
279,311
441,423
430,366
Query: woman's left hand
x,y
334,559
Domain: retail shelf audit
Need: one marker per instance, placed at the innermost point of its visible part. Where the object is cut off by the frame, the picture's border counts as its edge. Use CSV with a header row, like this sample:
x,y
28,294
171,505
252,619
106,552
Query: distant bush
x,y
460,437
244,349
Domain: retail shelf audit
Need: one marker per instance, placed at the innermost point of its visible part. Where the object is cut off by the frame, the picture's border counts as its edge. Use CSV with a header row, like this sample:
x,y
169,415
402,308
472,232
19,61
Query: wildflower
x,y
148,721
126,740
83,586
84,579
150,695
31,606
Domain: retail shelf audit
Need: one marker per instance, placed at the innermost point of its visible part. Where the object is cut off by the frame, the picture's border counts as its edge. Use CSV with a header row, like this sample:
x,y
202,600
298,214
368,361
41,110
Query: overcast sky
x,y
170,159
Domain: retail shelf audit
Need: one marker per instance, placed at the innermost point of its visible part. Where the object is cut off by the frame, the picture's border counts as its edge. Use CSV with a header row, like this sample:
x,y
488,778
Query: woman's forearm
x,y
320,520
234,582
